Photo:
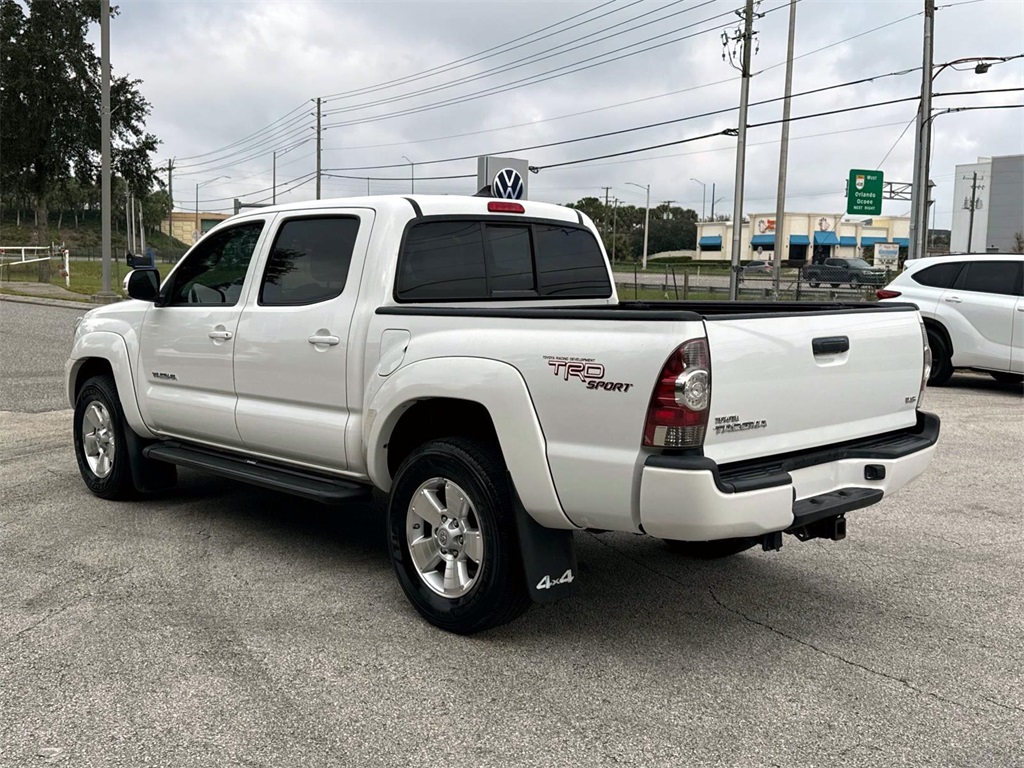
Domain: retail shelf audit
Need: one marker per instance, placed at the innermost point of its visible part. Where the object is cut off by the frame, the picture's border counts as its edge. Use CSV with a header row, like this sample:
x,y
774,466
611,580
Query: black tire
x,y
1005,377
834,285
855,282
942,363
711,550
815,285
497,593
114,483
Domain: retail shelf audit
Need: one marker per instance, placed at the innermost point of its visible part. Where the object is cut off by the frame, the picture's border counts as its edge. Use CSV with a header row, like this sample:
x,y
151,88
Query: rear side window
x,y
476,260
999,277
938,276
569,263
309,261
443,260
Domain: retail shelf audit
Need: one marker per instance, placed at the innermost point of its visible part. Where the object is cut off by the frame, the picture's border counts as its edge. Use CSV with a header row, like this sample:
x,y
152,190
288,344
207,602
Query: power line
x,y
265,143
659,124
539,77
402,178
479,56
259,153
617,105
306,176
732,131
239,141
540,56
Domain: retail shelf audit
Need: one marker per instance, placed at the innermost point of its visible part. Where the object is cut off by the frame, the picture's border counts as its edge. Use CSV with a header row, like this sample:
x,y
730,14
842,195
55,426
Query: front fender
x,y
499,388
109,346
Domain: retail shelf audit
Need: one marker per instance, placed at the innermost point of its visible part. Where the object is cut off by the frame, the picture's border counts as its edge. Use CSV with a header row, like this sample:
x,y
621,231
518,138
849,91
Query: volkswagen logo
x,y
507,184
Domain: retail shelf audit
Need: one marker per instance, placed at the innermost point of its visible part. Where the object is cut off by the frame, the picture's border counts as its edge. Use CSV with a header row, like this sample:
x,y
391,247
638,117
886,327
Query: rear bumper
x,y
691,498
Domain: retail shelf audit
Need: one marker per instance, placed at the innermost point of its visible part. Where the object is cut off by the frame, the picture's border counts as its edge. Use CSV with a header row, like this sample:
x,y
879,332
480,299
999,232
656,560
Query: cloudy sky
x,y
230,82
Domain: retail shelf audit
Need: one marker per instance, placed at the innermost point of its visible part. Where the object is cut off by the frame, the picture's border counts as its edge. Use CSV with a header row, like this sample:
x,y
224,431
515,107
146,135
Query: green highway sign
x,y
864,193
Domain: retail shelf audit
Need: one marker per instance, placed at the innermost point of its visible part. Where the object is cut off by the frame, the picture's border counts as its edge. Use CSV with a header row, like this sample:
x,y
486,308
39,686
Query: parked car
x,y
973,310
469,359
836,272
758,270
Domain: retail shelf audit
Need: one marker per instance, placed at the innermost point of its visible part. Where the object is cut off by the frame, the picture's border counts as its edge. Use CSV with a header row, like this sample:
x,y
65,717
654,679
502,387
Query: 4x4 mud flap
x,y
549,557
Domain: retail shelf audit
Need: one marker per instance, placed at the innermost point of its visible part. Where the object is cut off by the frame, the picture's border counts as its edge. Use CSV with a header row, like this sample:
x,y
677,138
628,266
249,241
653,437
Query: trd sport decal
x,y
586,370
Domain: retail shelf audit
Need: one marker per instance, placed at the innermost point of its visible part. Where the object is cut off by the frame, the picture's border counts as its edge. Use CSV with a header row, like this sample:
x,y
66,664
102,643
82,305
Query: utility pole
x,y
780,199
712,201
923,142
973,206
170,182
615,223
744,41
604,218
317,147
105,292
273,178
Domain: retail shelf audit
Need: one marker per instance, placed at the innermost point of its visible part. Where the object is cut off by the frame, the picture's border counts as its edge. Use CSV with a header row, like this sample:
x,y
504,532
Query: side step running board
x,y
266,474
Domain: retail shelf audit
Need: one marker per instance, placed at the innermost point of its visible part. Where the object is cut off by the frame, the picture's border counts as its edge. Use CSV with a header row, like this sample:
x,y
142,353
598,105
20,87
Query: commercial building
x,y
807,237
182,225
988,205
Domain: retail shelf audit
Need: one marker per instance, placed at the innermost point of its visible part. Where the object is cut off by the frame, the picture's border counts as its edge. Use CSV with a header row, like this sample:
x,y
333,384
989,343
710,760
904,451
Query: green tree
x,y
50,102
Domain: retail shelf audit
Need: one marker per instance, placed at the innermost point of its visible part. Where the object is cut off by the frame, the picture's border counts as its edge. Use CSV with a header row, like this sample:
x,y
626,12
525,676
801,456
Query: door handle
x,y
1020,308
221,335
328,340
830,345
953,300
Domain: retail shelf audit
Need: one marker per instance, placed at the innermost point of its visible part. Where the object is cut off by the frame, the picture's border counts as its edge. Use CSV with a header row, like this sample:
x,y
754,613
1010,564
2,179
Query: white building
x,y
994,188
807,237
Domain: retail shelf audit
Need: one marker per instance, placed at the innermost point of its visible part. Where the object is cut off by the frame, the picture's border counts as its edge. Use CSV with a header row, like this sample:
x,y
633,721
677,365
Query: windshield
x,y
858,263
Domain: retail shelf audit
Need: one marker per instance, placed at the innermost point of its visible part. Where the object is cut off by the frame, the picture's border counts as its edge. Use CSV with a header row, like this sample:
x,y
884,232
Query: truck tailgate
x,y
787,383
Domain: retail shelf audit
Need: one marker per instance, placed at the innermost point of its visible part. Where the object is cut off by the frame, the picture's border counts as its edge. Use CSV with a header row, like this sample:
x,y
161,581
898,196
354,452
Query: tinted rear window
x,y
443,260
999,277
569,263
938,276
475,260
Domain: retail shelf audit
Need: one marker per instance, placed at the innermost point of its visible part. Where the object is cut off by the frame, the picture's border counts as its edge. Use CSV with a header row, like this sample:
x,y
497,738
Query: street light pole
x,y
780,197
703,196
647,215
105,291
922,145
412,173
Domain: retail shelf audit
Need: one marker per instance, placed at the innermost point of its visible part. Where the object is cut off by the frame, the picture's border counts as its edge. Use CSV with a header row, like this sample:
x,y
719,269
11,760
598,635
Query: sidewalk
x,y
46,294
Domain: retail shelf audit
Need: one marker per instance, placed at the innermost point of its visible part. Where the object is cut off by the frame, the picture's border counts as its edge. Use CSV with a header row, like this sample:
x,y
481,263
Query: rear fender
x,y
499,388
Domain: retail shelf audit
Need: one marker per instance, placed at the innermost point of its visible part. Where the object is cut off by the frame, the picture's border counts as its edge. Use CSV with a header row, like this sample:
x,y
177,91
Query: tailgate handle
x,y
830,345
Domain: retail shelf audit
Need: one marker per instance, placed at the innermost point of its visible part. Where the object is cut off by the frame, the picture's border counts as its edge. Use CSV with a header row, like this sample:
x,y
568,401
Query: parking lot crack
x,y
878,673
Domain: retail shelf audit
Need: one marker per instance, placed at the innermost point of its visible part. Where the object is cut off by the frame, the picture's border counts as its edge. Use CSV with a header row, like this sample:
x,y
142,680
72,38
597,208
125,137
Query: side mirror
x,y
144,284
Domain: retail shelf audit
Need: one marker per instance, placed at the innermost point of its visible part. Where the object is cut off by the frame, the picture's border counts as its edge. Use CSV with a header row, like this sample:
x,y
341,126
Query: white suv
x,y
973,308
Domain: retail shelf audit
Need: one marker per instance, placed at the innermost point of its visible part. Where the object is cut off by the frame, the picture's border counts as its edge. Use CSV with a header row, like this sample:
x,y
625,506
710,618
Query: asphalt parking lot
x,y
221,625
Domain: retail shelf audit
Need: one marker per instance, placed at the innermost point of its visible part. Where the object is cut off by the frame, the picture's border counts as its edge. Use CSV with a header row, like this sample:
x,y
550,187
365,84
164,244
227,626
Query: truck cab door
x,y
186,384
293,338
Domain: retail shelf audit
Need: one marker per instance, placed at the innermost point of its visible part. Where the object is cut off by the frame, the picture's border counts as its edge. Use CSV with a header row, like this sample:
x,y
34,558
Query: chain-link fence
x,y
95,253
711,282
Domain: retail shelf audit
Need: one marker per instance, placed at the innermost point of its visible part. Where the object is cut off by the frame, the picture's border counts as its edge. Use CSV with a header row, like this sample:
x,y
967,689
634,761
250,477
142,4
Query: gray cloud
x,y
217,72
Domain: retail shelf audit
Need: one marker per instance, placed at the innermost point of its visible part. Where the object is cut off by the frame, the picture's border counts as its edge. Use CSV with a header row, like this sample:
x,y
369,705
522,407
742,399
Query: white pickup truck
x,y
469,358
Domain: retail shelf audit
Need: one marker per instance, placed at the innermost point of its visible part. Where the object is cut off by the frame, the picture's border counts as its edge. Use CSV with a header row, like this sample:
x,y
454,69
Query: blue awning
x,y
847,242
825,238
866,241
711,242
799,240
902,242
768,240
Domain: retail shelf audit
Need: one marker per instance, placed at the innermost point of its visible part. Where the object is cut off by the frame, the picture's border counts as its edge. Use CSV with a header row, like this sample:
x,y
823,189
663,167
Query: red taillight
x,y
885,293
499,206
678,414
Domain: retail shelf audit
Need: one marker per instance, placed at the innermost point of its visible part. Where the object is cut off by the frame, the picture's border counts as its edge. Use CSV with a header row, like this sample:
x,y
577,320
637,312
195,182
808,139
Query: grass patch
x,y
86,276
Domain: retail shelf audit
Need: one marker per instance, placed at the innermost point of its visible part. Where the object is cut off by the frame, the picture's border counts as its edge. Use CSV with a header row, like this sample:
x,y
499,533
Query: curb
x,y
85,306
